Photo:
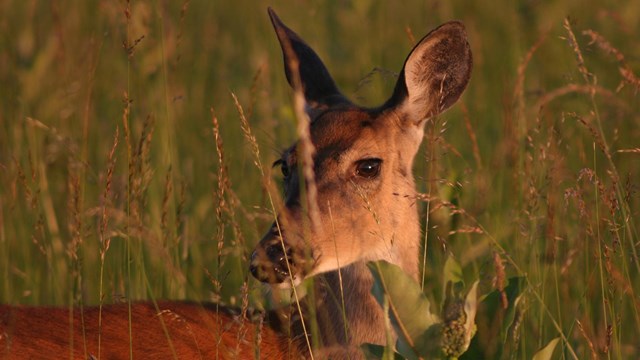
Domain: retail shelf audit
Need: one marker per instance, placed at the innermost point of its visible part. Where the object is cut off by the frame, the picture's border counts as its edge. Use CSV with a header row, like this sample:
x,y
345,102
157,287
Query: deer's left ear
x,y
319,88
435,73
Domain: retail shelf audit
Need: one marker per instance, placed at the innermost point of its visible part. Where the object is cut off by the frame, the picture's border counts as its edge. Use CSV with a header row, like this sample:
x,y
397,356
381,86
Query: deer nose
x,y
270,264
256,268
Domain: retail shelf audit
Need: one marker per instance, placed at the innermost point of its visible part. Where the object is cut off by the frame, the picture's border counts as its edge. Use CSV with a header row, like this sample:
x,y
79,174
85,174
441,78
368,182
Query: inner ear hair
x,y
435,73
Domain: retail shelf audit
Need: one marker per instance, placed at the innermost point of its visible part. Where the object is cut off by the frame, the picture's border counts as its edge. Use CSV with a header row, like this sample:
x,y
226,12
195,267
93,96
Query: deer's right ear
x,y
319,88
435,73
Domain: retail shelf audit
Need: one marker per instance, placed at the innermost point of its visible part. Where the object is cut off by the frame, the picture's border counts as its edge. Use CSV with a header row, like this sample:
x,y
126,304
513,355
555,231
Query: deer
x,y
359,169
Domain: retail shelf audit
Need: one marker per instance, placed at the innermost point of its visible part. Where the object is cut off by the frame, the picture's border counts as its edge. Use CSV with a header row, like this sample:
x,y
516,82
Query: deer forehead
x,y
348,135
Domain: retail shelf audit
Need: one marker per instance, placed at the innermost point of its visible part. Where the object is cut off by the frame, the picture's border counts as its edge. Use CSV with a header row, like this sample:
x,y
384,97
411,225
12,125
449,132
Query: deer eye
x,y
368,168
285,169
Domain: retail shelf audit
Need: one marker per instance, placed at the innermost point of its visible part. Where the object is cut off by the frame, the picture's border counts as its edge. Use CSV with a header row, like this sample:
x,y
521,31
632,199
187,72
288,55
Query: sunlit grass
x,y
113,185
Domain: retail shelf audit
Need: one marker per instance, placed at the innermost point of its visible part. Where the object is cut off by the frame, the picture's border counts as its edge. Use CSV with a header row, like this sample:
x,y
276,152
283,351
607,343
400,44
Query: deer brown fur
x,y
179,330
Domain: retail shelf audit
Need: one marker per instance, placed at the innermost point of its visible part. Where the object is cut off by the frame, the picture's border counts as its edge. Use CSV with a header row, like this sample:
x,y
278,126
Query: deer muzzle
x,y
276,261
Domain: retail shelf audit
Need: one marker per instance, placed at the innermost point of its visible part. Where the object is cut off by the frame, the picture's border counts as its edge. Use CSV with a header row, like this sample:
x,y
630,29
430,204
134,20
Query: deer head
x,y
362,162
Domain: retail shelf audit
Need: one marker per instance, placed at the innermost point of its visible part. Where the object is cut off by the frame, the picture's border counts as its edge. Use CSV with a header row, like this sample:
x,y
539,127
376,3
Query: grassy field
x,y
111,184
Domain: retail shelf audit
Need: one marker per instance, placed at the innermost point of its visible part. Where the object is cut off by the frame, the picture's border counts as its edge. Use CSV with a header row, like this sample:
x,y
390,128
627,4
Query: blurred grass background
x,y
109,168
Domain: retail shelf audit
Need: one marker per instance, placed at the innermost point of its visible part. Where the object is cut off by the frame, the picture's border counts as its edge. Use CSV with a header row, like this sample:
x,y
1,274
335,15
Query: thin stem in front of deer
x,y
426,220
308,186
426,243
163,325
219,211
125,120
367,203
335,244
246,130
305,143
225,206
105,241
431,158
127,138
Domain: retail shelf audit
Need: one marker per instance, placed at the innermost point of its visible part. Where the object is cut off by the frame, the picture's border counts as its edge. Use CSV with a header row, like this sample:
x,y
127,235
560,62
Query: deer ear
x,y
319,88
435,73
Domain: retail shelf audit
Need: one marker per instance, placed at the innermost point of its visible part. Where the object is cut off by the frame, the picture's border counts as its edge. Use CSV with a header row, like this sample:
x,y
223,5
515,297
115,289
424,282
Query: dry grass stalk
x,y
591,177
222,208
597,135
254,89
227,206
305,146
248,135
575,193
75,221
368,78
140,172
500,279
607,340
179,221
410,36
127,139
569,260
33,202
447,147
223,185
183,13
464,229
241,335
625,71
514,333
131,47
22,180
231,203
246,130
105,241
472,136
599,138
573,42
518,88
592,348
629,151
166,199
581,89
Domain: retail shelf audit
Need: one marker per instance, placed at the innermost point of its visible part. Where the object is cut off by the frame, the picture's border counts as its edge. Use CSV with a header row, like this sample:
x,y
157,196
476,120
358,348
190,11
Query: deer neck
x,y
344,295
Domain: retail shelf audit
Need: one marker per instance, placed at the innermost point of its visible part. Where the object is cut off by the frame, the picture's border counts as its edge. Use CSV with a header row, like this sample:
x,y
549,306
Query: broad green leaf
x,y
471,308
409,309
547,351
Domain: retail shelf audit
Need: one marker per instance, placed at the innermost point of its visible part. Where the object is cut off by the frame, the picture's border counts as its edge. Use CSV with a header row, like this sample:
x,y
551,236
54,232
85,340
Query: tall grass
x,y
114,186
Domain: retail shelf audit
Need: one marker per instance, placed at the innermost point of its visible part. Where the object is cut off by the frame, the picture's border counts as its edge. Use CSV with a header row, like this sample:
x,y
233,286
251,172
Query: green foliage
x,y
409,309
496,323
547,351
459,325
452,275
421,334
